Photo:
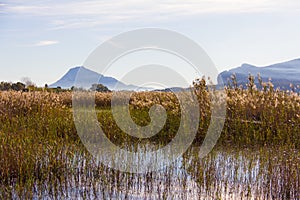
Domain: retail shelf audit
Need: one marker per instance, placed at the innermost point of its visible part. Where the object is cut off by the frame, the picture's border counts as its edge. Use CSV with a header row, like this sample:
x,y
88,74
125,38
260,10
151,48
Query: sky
x,y
42,40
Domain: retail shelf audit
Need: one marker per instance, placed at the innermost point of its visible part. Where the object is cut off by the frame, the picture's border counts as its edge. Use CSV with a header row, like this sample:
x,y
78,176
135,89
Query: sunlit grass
x,y
257,154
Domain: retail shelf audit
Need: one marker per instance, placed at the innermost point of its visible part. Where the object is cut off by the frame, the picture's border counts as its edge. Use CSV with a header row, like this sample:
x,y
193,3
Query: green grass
x,y
41,154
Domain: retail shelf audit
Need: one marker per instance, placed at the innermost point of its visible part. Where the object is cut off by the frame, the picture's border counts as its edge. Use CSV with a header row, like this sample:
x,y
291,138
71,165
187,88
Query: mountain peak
x,y
282,74
86,76
246,65
77,68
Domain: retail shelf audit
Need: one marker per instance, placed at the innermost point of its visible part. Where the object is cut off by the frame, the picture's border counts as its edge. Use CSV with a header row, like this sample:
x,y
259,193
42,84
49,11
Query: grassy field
x,y
256,157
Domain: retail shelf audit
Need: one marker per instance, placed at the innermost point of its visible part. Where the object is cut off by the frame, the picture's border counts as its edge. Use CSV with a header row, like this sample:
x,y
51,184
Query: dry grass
x,y
40,150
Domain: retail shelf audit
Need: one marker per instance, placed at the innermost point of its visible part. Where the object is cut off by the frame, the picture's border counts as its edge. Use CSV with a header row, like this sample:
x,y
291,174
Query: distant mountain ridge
x,y
68,80
281,74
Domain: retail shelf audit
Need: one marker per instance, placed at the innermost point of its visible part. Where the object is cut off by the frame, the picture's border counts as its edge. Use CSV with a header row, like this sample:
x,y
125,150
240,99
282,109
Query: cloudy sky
x,y
43,39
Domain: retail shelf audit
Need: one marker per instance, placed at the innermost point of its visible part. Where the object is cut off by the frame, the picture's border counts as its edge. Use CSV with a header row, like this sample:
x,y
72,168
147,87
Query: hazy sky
x,y
43,39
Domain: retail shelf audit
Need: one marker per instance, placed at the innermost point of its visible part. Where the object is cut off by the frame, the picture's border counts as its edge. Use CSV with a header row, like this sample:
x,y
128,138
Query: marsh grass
x,y
257,155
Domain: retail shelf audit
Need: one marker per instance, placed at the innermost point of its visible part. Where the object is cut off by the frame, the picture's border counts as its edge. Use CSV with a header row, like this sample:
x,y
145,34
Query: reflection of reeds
x,y
41,154
247,173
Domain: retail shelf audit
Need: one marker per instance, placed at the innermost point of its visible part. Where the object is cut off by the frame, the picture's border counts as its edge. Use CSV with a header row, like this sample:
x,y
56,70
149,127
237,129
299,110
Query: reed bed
x,y
257,155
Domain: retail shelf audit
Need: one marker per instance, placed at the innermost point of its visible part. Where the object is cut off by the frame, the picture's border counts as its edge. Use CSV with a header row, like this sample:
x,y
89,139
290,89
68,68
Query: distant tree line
x,y
19,86
25,87
99,88
6,86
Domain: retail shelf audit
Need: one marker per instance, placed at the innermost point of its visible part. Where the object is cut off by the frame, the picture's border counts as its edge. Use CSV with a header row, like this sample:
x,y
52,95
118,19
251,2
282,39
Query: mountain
x,y
86,75
281,74
172,89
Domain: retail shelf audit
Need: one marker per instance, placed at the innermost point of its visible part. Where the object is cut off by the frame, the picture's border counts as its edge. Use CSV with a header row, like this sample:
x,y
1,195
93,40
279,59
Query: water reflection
x,y
264,173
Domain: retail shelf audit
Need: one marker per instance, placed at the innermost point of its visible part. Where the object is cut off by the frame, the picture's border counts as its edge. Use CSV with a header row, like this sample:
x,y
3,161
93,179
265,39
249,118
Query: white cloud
x,y
135,7
46,43
91,13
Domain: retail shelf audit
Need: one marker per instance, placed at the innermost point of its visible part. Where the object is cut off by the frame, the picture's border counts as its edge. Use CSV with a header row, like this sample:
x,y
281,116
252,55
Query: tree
x,y
18,86
28,81
99,88
5,86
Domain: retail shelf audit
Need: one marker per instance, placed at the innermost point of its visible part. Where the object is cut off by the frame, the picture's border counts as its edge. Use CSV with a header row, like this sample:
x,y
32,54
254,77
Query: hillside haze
x,y
68,80
281,74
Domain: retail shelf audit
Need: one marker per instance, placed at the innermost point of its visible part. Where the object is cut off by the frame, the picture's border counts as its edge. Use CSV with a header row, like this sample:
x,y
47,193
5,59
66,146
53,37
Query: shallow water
x,y
261,173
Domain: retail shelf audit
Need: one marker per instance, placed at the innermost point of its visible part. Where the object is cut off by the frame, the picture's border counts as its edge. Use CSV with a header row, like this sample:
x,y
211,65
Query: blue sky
x,y
43,39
